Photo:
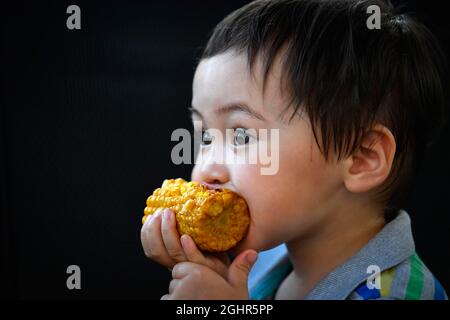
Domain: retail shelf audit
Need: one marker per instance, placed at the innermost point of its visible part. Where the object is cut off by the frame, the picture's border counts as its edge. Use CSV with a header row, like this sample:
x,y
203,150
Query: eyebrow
x,y
230,108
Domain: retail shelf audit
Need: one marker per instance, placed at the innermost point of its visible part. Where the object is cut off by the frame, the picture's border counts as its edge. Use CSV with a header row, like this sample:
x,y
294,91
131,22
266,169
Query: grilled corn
x,y
215,219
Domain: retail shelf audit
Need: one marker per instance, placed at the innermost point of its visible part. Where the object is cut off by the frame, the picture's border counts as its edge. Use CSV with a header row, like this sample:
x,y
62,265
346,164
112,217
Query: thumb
x,y
240,268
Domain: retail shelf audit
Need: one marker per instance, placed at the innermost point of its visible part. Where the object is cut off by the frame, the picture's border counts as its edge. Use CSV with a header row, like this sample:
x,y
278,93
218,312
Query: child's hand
x,y
162,244
195,281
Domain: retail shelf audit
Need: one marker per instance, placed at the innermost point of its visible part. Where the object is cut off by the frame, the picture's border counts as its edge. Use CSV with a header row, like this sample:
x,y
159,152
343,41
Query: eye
x,y
240,137
207,138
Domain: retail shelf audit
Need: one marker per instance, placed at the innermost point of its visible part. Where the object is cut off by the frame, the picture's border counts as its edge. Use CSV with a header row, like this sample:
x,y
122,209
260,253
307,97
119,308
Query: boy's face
x,y
289,204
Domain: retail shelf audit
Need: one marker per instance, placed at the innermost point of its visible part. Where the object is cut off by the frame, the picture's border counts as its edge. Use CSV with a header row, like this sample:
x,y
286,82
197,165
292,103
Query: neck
x,y
335,241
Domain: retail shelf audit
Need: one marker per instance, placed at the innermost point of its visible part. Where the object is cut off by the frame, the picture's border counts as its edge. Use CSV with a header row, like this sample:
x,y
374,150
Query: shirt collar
x,y
393,244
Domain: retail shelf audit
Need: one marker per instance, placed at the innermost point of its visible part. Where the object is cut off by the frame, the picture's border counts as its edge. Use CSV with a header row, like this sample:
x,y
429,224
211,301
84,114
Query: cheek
x,y
305,181
269,205
286,204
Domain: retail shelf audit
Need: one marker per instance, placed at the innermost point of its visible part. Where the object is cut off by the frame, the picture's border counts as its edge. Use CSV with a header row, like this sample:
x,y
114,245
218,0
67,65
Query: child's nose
x,y
211,173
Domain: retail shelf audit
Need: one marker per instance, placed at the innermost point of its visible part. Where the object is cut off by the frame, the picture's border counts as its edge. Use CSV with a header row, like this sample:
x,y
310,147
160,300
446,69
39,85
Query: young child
x,y
354,107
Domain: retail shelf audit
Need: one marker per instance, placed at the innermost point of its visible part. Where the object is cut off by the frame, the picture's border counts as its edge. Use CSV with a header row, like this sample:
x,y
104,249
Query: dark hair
x,y
346,76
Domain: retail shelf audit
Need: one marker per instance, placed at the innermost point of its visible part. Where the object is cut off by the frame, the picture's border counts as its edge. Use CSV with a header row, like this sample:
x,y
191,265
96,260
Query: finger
x,y
171,237
173,284
182,269
145,233
149,218
193,254
240,268
221,262
223,257
165,297
191,251
152,241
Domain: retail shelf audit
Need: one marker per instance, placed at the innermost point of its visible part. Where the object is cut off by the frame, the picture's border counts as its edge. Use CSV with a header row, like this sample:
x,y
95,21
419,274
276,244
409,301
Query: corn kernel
x,y
215,219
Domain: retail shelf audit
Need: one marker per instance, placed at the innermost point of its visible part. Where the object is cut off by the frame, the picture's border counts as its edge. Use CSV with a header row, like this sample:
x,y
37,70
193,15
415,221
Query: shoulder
x,y
409,280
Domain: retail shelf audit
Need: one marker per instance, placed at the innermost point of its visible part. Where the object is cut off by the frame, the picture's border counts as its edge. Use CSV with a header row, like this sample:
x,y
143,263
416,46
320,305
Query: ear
x,y
369,166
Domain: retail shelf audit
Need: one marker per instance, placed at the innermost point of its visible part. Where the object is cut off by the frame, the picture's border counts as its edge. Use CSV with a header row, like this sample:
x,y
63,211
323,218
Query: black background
x,y
86,121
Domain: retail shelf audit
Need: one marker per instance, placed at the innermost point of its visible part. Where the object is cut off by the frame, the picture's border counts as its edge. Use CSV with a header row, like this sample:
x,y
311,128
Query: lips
x,y
220,187
212,186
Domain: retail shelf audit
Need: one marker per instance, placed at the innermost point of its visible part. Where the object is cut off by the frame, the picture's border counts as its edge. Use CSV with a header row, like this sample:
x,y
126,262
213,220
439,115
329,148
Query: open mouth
x,y
212,186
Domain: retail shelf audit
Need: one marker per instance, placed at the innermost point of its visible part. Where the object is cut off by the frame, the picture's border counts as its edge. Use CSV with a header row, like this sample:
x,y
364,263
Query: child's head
x,y
355,108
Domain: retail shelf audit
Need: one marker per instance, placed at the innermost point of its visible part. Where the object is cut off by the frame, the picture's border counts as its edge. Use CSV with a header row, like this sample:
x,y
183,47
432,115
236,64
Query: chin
x,y
248,242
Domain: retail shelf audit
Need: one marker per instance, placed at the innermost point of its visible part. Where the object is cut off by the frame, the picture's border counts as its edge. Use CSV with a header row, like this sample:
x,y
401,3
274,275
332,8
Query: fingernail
x,y
184,241
167,215
149,217
252,256
155,214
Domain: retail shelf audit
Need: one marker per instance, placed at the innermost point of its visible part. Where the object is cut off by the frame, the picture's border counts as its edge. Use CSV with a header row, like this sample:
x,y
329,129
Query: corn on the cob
x,y
215,219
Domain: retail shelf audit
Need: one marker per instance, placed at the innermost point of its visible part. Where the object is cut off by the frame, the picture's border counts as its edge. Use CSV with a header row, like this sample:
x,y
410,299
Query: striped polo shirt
x,y
386,268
